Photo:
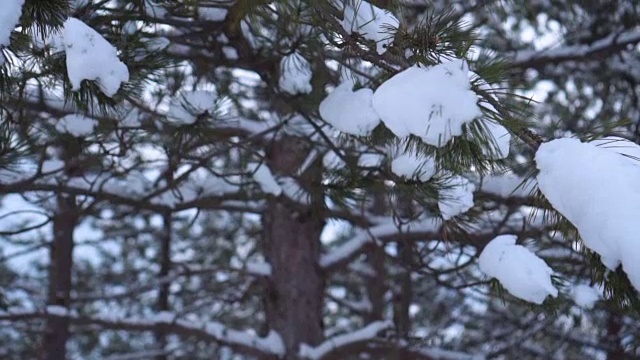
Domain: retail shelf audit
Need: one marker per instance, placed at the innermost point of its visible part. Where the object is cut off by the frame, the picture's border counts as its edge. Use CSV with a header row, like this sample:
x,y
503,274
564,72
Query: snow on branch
x,y
139,355
607,219
256,268
610,44
508,185
441,354
366,340
353,247
346,250
519,270
240,341
335,343
362,306
90,56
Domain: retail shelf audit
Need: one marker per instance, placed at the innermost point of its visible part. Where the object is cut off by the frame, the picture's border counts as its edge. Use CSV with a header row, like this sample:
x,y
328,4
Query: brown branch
x,y
240,341
598,50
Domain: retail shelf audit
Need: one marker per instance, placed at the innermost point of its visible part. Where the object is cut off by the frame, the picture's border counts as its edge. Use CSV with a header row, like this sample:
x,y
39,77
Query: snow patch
x,y
260,268
57,310
365,237
331,161
442,354
367,333
597,190
154,10
350,111
157,43
91,57
585,296
212,13
190,105
619,145
76,125
507,185
370,160
499,142
295,74
456,197
414,166
431,103
521,272
52,165
265,179
230,52
371,22
164,317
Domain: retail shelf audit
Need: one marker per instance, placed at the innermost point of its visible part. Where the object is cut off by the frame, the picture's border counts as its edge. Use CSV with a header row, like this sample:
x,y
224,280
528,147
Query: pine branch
x,y
394,64
240,341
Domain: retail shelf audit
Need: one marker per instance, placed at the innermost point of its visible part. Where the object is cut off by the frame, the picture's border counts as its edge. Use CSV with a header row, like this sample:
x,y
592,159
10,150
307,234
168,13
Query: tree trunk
x,y
404,294
57,328
165,267
376,287
376,257
291,235
614,328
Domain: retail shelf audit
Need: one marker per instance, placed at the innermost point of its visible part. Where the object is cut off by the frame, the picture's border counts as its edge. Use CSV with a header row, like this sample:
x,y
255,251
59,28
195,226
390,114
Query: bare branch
x,y
240,341
605,47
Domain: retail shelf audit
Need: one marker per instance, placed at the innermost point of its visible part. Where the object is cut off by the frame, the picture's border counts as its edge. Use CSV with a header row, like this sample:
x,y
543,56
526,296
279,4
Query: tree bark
x,y
60,282
291,236
404,295
376,288
165,267
376,257
614,329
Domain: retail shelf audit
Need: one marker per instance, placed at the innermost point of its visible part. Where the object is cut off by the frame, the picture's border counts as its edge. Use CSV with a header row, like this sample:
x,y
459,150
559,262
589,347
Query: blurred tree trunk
x,y
165,267
404,291
614,328
377,287
292,246
60,269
